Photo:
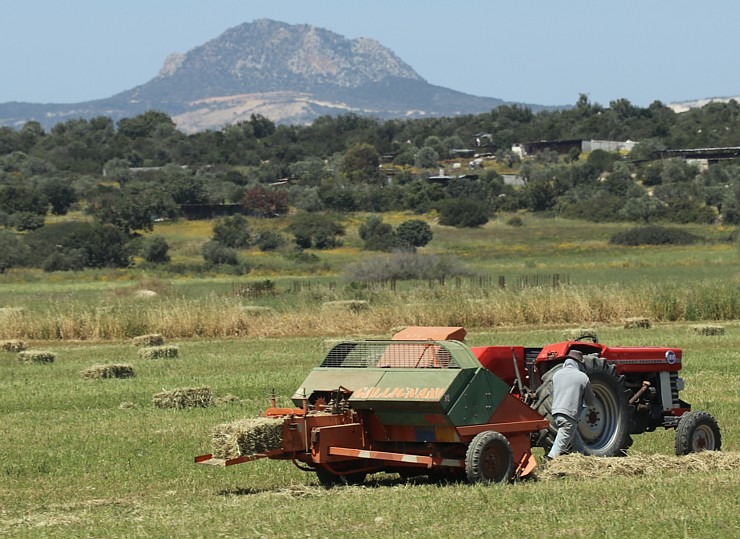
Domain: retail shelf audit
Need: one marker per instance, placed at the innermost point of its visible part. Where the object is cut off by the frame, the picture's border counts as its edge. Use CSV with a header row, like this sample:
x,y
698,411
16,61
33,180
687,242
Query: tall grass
x,y
305,313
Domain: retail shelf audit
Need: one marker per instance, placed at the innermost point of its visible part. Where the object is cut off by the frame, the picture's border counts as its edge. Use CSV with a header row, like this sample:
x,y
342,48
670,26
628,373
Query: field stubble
x,y
75,463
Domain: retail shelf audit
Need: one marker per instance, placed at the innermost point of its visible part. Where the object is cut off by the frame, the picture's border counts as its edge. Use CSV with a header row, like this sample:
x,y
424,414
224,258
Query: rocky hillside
x,y
289,73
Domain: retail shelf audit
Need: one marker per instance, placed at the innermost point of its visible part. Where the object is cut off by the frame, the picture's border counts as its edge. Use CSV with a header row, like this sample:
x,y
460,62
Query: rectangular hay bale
x,y
186,397
158,352
247,437
99,372
153,339
13,345
36,356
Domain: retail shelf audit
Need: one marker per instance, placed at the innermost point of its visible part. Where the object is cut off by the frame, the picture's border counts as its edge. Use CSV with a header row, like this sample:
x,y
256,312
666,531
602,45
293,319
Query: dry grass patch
x,y
186,397
158,352
577,466
247,437
153,339
12,346
99,372
36,356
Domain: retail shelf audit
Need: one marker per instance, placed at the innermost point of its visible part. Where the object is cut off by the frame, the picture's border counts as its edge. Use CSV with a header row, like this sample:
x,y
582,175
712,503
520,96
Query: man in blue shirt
x,y
571,391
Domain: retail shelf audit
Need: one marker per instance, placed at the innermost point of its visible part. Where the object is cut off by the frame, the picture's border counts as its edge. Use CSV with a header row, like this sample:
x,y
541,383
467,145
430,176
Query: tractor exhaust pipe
x,y
643,389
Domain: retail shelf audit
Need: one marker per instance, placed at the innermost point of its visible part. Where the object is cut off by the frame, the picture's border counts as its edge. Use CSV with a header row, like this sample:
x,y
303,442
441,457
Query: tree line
x,y
127,175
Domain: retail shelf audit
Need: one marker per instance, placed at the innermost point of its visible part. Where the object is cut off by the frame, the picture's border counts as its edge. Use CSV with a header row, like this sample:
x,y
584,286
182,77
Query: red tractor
x,y
636,388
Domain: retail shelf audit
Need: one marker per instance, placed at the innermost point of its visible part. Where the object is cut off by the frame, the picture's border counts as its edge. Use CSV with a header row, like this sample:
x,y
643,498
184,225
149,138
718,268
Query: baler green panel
x,y
479,399
327,379
420,391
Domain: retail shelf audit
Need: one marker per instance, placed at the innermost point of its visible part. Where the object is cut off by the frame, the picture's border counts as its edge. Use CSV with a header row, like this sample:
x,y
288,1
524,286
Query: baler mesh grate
x,y
391,355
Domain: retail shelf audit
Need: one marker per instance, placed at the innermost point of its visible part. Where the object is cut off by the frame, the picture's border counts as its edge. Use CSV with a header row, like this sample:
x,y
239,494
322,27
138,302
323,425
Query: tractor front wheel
x,y
697,431
489,458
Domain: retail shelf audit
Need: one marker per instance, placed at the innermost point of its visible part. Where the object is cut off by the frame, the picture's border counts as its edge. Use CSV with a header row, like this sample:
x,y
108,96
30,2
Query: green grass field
x,y
75,463
84,458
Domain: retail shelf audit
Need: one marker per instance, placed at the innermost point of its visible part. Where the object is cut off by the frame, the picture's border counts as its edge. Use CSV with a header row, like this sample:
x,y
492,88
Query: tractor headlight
x,y
680,384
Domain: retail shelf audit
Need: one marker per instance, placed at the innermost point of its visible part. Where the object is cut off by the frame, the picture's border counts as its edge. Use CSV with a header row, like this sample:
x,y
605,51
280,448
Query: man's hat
x,y
576,354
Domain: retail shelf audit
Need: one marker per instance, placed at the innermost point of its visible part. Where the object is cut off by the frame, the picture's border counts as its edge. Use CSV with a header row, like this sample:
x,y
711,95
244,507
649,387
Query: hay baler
x,y
419,404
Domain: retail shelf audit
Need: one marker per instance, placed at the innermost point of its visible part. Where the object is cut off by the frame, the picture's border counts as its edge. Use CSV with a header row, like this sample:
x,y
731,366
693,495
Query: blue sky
x,y
540,51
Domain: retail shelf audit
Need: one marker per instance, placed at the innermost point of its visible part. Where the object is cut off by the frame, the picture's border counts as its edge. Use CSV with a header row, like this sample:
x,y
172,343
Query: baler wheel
x,y
697,431
329,480
489,458
605,427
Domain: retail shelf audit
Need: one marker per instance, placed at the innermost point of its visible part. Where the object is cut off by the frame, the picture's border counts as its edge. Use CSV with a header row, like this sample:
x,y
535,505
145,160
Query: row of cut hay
x,y
186,397
159,352
36,356
247,437
100,372
13,345
568,305
579,467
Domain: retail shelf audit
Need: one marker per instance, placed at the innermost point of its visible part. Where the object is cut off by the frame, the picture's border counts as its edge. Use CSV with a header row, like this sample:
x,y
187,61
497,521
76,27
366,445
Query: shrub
x,y
463,213
515,221
654,235
155,249
270,240
232,232
414,233
65,260
215,253
377,235
316,230
402,266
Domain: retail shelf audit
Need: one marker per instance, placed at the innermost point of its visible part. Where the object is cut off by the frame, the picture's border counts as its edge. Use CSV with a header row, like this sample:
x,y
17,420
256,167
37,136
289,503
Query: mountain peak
x,y
290,73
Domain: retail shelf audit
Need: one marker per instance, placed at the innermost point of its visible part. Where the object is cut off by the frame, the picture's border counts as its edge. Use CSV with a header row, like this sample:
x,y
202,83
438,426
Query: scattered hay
x,y
579,467
351,305
36,356
579,333
153,339
158,352
186,397
145,294
99,372
247,437
226,399
12,346
637,323
126,405
708,330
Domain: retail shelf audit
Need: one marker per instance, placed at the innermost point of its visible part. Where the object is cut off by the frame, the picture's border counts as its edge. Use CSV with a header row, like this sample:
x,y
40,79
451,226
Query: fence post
x,y
501,281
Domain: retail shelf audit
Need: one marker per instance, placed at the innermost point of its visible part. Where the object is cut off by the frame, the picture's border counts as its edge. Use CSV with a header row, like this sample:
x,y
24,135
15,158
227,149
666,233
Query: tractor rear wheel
x,y
489,458
605,426
697,431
